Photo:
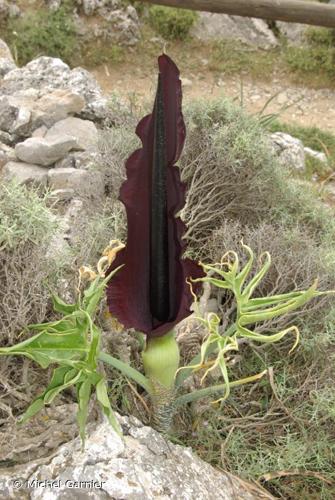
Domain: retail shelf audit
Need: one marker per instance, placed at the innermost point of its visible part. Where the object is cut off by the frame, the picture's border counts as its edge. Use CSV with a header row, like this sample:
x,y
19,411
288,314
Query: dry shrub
x,y
26,227
227,166
232,174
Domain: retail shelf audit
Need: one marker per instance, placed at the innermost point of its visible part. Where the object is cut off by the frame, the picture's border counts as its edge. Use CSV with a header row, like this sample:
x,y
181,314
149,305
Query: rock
x,y
80,159
4,10
56,106
293,32
6,154
25,173
6,65
121,25
89,6
141,465
84,131
8,10
290,151
54,4
6,59
318,155
45,74
6,138
62,194
21,125
85,184
45,151
8,114
23,112
40,131
223,26
186,82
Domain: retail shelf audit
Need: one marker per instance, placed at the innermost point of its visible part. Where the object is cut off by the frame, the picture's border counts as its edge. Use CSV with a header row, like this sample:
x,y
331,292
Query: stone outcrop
x,y
25,173
46,74
291,151
46,138
84,131
140,465
223,26
45,151
6,59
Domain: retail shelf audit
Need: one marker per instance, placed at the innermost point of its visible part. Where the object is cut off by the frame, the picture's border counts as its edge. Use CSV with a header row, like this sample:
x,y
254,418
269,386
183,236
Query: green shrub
x,y
232,56
318,54
42,33
100,52
171,23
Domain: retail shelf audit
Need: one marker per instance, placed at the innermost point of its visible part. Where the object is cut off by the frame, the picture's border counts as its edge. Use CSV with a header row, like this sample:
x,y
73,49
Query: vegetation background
x,y
281,431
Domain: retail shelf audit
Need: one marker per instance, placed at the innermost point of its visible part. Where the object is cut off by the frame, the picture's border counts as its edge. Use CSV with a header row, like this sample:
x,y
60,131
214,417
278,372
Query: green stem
x,y
160,361
215,390
127,370
183,374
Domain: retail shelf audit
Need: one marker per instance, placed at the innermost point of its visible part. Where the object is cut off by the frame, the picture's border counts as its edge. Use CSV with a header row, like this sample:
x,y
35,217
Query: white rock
x,y
290,151
186,82
45,74
25,173
56,106
8,114
6,154
223,26
293,32
45,151
316,154
6,65
86,184
62,194
21,125
141,465
40,131
84,131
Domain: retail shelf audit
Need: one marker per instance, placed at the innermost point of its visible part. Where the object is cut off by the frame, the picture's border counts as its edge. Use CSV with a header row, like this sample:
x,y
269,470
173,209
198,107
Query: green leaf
x,y
254,282
46,348
62,307
95,291
84,394
102,397
291,305
34,408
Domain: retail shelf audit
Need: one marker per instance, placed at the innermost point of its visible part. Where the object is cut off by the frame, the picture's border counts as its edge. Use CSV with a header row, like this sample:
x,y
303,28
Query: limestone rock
x,y
318,155
86,184
56,106
43,151
290,151
141,465
6,59
112,22
293,32
80,159
7,138
84,131
8,114
223,26
25,173
46,74
6,154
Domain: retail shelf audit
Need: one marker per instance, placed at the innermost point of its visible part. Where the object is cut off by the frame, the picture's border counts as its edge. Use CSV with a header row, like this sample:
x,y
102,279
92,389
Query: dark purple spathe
x,y
150,292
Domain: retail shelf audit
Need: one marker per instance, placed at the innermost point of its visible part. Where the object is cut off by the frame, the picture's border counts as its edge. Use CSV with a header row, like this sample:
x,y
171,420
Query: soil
x,y
294,103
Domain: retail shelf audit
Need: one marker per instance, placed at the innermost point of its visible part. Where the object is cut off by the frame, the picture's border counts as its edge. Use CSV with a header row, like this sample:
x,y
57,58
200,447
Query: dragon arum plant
x,y
148,288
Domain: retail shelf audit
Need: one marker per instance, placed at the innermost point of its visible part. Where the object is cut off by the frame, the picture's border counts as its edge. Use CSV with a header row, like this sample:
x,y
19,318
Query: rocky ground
x,y
305,106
